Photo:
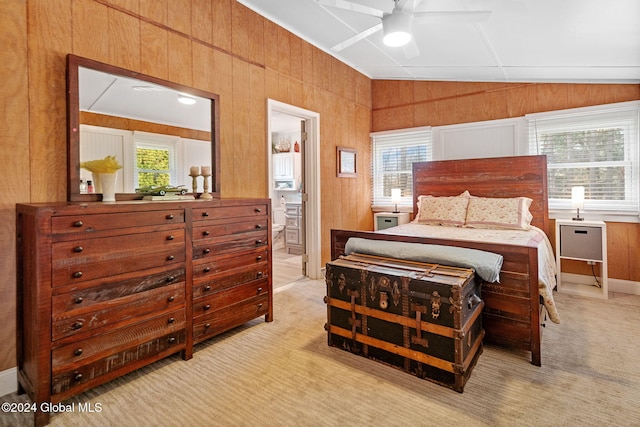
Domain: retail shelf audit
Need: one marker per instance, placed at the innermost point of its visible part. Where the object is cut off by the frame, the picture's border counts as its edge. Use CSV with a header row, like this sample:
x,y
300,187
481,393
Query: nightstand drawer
x,y
386,222
581,242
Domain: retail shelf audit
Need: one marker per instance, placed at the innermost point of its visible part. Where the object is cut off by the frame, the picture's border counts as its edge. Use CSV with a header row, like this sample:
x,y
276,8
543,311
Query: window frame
x,y
626,115
419,136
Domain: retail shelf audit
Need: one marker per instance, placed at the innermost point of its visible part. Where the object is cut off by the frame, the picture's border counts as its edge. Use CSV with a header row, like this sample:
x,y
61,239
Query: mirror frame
x,y
73,126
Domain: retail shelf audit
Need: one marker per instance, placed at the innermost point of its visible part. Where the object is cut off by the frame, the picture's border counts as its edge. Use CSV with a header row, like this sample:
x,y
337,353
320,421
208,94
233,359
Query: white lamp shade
x,y
396,195
577,197
397,29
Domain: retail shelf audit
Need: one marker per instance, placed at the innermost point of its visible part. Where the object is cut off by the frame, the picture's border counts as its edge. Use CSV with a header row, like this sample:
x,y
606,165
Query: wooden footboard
x,y
512,313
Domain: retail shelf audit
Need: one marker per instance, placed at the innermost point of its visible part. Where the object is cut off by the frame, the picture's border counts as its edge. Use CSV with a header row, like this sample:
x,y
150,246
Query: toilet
x,y
277,228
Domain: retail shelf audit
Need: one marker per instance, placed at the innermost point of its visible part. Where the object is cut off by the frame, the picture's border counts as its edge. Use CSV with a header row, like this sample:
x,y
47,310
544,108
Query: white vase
x,y
97,187
108,183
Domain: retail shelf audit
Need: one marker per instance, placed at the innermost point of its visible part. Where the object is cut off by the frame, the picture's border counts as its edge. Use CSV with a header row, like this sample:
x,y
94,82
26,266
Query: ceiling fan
x,y
397,25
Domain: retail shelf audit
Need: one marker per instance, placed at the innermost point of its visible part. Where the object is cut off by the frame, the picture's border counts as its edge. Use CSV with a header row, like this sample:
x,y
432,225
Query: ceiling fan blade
x,y
411,49
362,35
354,7
408,6
452,16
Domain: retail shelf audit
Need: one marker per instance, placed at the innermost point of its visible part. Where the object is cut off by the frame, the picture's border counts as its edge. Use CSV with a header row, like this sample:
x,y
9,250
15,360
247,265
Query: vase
x,y
97,187
108,183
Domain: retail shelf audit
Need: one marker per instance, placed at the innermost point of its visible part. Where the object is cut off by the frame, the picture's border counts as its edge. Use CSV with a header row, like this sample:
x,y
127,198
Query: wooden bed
x,y
513,312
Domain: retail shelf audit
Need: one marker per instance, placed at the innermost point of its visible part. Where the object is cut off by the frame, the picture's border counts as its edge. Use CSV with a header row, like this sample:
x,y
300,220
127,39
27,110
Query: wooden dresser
x,y
106,288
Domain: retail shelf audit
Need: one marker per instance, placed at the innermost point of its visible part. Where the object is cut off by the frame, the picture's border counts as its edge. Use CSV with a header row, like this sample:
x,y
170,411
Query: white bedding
x,y
534,237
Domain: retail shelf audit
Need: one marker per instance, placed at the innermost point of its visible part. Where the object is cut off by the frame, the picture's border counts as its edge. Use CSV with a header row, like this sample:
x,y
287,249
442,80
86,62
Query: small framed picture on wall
x,y
347,161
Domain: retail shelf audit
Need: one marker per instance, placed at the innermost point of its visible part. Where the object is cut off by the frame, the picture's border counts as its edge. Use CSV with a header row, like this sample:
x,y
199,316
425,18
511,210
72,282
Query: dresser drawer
x,y
221,320
96,222
230,212
96,347
85,259
116,353
213,230
91,320
230,243
231,296
229,279
207,267
111,288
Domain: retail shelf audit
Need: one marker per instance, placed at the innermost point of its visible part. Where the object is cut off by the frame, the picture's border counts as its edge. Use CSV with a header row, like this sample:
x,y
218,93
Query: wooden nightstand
x,y
382,220
582,241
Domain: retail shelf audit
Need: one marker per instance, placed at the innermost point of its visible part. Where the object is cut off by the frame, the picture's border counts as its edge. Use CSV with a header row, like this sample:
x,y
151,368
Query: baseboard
x,y
8,381
624,286
613,285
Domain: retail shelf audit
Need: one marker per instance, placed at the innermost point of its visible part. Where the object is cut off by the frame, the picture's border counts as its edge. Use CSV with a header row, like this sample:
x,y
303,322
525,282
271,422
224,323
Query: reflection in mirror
x,y
143,122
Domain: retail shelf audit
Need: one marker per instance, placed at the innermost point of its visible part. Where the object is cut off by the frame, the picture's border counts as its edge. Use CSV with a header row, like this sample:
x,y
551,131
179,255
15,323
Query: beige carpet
x,y
284,374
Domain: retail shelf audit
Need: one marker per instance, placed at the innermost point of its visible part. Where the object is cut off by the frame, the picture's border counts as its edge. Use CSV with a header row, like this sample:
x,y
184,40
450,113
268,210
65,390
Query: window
x,y
392,158
593,147
155,159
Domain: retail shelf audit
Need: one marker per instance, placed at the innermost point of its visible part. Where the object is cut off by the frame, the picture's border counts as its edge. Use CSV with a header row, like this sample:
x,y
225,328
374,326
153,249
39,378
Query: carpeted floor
x,y
284,374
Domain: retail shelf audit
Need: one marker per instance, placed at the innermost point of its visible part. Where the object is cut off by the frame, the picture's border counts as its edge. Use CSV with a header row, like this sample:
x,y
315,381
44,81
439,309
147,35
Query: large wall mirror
x,y
157,130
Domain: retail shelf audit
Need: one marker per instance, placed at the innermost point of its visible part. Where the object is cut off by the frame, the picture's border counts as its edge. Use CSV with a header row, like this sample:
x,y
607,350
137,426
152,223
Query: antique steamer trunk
x,y
422,318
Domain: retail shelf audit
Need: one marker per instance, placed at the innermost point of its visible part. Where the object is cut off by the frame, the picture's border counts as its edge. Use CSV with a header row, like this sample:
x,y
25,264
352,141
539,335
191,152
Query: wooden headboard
x,y
491,177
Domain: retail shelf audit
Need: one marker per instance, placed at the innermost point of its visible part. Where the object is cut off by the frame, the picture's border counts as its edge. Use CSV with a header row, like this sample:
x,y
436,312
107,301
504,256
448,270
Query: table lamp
x,y
577,200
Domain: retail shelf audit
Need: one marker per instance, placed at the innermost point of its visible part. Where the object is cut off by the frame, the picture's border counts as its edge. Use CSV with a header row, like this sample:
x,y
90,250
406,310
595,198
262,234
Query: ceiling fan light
x,y
186,100
396,29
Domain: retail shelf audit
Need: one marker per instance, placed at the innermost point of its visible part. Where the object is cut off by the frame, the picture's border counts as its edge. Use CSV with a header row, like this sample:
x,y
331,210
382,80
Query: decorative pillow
x,y
449,211
509,213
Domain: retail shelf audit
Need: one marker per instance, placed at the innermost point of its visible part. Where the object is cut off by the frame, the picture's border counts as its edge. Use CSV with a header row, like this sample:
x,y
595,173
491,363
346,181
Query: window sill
x,y
595,215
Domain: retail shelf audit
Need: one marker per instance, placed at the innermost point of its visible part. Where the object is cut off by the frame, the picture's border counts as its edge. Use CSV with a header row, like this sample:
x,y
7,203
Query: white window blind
x,y
595,147
393,154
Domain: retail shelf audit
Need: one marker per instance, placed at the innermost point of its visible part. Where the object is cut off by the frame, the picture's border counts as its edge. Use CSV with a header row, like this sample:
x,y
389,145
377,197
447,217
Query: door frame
x,y
311,180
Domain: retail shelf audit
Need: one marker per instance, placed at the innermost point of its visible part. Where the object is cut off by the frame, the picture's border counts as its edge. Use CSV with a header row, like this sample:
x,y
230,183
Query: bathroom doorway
x,y
293,147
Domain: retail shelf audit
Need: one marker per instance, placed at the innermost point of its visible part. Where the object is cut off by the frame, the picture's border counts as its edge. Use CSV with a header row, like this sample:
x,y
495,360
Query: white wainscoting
x,y
495,138
8,381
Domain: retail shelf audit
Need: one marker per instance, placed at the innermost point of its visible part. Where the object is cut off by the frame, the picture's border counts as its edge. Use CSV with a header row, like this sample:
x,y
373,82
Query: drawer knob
x,y
258,242
169,216
77,325
171,279
206,251
207,269
207,288
77,274
258,210
172,340
78,300
78,224
77,352
170,237
207,325
77,376
78,249
259,290
171,320
205,213
259,258
170,258
206,233
171,298
260,305
258,226
259,274
206,307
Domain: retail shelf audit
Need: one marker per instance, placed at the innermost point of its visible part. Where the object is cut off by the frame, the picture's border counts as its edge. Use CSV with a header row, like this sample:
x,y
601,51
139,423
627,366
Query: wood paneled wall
x,y
214,45
405,104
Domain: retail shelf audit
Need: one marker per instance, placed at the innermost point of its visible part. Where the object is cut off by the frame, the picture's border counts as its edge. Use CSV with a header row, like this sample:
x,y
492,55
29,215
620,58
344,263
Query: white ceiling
x,y
591,41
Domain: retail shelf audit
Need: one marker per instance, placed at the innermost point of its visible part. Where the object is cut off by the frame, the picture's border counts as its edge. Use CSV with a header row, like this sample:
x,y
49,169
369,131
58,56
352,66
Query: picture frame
x,y
346,162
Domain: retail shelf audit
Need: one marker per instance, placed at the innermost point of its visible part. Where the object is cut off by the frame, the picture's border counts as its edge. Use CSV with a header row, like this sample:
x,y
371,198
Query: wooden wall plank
x,y
154,57
179,15
201,18
90,24
180,68
124,40
155,10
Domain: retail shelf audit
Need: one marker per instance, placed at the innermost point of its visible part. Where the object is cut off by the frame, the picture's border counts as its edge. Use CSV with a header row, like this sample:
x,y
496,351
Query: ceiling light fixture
x,y
186,100
396,28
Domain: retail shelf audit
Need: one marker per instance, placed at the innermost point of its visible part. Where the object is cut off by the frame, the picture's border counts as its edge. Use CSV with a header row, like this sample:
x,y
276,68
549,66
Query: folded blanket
x,y
487,265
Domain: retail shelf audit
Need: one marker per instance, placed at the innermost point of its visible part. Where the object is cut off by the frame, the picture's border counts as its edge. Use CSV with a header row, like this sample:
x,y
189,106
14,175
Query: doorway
x,y
301,189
